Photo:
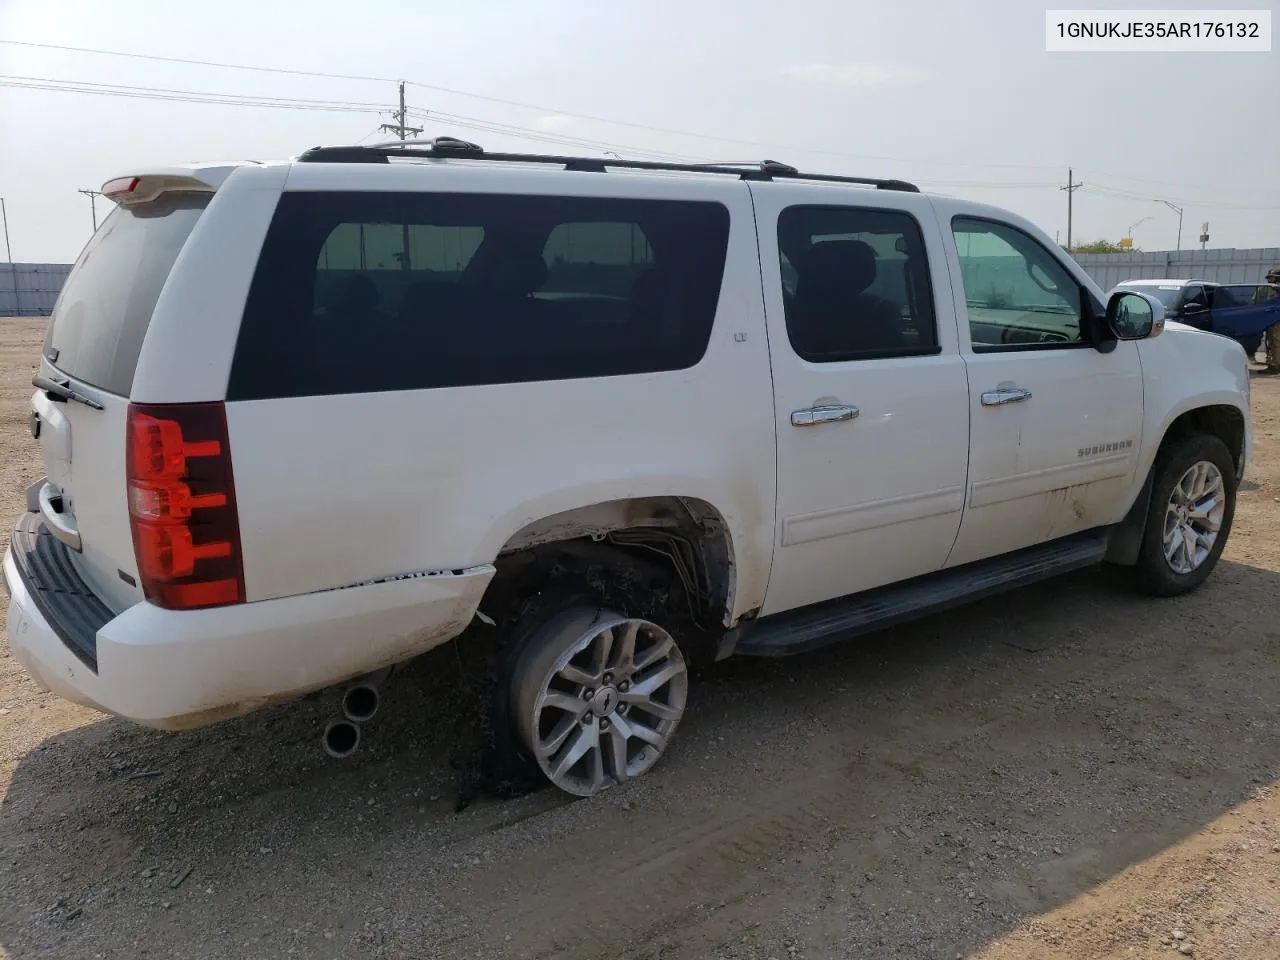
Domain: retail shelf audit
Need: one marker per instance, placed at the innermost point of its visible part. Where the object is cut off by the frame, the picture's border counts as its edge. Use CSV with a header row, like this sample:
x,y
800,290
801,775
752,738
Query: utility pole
x,y
402,131
93,196
399,128
1071,188
1178,210
8,252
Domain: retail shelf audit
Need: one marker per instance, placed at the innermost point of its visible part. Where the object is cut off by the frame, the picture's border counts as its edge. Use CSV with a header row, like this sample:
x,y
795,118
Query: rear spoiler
x,y
145,187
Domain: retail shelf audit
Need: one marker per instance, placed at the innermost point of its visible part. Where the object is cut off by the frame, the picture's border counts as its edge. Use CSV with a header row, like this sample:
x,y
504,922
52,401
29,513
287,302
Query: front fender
x,y
1186,370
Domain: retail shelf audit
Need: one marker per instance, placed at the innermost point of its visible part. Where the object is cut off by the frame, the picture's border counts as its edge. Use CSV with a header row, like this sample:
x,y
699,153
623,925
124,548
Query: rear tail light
x,y
182,505
121,187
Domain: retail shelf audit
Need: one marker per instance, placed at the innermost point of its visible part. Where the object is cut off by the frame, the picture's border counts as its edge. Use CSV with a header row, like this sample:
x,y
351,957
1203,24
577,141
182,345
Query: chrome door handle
x,y
993,398
827,414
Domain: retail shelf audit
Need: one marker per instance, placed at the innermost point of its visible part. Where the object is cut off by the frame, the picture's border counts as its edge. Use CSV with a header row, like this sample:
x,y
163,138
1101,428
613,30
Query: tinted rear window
x,y
367,292
106,304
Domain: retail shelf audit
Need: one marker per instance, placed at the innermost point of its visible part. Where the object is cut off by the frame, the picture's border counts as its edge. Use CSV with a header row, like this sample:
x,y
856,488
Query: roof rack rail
x,y
444,148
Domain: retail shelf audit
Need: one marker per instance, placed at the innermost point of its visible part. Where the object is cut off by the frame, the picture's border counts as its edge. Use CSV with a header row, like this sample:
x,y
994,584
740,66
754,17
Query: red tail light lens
x,y
182,505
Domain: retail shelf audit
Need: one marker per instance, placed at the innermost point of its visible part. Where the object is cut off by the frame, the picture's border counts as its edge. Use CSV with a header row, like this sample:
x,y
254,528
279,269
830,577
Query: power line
x,y
1121,194
176,95
283,71
187,96
524,105
362,104
546,136
197,63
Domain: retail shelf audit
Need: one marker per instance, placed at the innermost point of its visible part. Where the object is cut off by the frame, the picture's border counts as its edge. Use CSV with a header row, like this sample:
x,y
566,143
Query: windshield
x,y
1166,293
105,306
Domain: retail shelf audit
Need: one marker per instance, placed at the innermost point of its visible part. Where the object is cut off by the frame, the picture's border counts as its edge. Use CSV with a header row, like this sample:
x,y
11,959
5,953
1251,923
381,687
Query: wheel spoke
x,y
1202,509
624,652
1189,547
641,732
574,706
1200,478
556,738
603,644
597,769
618,751
653,654
575,674
583,740
657,709
645,687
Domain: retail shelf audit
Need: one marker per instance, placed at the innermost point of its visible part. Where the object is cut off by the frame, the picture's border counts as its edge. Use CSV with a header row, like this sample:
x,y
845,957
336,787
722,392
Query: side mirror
x,y
1134,316
1191,307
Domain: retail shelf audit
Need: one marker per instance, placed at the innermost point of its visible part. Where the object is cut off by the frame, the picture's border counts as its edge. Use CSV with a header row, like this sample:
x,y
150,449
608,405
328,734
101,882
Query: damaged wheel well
x,y
632,544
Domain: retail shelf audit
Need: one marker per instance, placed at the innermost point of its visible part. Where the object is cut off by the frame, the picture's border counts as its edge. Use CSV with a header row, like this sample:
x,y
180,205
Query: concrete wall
x,y
1222,266
37,288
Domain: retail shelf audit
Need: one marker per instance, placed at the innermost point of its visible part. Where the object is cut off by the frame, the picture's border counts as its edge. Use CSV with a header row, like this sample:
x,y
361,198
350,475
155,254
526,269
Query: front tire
x,y
1193,503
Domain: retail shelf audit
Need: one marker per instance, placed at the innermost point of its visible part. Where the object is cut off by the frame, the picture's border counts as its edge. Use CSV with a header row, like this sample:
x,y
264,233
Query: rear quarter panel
x,y
334,490
187,351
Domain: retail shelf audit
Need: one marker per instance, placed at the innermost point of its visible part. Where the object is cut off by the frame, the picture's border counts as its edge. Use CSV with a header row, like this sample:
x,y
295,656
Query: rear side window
x,y
365,292
855,284
106,304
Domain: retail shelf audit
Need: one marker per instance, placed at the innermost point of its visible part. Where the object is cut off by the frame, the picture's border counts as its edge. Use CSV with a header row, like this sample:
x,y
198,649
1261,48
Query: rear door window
x,y
106,304
856,284
368,292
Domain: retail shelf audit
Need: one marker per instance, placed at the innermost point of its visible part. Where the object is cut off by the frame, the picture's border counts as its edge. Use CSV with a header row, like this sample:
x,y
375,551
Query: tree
x,y
1102,246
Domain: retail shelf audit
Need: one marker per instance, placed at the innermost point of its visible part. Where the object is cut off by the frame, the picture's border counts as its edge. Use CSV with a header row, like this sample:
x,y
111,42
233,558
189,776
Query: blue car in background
x,y
1241,311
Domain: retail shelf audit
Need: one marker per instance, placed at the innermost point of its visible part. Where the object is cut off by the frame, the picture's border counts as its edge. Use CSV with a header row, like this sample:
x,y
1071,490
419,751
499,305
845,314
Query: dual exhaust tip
x,y
360,702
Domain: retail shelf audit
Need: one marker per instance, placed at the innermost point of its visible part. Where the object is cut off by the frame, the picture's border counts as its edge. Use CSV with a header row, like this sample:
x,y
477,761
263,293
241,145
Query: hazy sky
x,y
959,97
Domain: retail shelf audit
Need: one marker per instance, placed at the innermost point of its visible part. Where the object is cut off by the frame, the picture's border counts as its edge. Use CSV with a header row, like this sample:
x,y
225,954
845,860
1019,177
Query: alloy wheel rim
x,y
1193,517
604,709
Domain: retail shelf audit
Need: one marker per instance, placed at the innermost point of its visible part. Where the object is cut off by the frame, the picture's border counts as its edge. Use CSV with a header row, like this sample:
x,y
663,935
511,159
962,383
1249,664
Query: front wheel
x,y
1193,502
596,697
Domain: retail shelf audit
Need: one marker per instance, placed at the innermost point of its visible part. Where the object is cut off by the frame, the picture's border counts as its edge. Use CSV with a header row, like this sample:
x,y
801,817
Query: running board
x,y
797,631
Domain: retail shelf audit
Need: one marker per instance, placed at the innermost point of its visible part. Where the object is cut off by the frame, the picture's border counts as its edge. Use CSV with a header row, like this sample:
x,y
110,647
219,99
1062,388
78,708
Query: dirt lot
x,y
1070,771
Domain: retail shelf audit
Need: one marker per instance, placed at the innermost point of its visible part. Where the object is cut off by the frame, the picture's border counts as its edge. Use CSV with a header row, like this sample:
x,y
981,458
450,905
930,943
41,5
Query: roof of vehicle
x,y
449,148
1171,282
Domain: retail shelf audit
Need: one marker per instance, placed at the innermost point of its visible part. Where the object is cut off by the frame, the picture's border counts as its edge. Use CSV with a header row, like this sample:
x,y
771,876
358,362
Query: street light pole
x,y
1138,224
1178,210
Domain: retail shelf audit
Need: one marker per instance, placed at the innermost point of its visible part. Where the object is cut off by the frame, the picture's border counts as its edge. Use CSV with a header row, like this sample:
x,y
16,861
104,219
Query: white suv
x,y
303,421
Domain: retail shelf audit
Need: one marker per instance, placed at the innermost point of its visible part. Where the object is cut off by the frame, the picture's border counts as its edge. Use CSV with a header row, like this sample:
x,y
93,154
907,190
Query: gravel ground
x,y
1069,771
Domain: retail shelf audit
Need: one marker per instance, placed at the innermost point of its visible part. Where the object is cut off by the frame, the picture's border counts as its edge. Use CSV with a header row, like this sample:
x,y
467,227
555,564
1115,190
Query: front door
x,y
1056,423
869,391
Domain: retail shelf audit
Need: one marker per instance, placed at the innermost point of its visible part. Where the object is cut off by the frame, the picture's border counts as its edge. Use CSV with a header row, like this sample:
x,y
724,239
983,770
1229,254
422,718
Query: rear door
x,y
869,390
92,346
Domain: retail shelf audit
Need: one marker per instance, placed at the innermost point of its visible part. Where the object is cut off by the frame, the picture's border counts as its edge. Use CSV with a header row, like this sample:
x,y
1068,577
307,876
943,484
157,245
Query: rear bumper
x,y
179,669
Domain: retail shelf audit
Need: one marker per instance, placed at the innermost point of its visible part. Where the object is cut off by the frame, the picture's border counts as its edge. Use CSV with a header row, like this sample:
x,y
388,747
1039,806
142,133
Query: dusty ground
x,y
1070,771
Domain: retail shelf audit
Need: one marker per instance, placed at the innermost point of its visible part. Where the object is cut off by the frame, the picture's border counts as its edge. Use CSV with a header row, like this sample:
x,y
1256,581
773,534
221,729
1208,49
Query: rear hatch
x,y
89,357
